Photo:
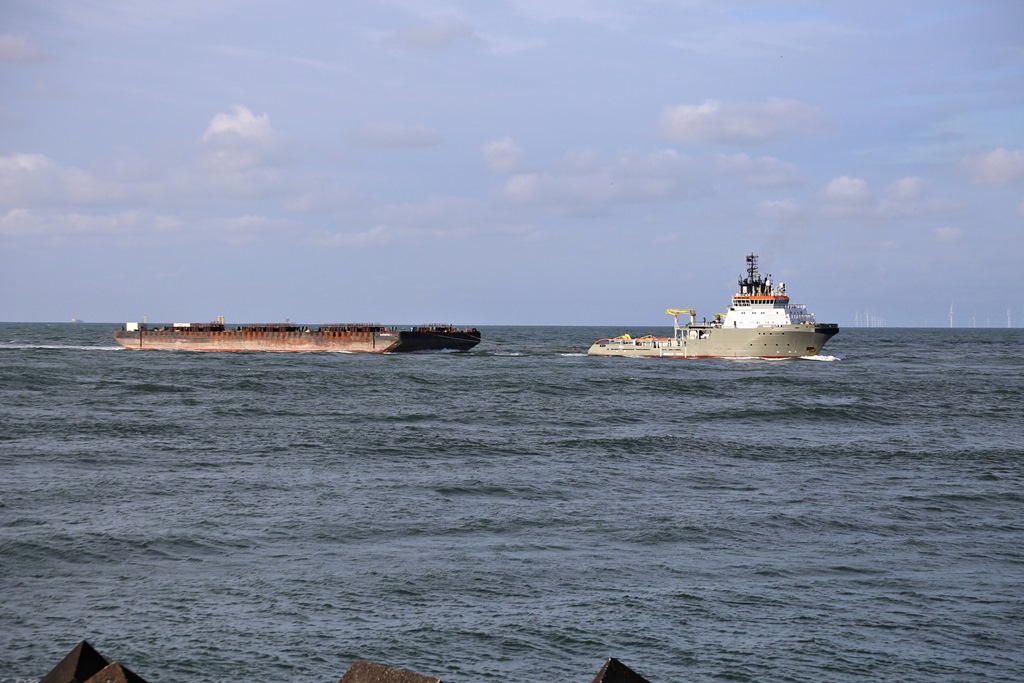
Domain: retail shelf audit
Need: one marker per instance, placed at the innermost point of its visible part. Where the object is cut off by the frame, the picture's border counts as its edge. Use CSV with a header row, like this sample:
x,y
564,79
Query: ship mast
x,y
752,283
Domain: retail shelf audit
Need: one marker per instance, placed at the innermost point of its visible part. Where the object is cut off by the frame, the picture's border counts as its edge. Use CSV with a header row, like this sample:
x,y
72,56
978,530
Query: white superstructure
x,y
759,303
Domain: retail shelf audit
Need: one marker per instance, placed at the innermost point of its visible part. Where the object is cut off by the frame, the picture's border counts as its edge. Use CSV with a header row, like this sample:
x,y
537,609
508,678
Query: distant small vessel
x,y
76,321
760,323
287,337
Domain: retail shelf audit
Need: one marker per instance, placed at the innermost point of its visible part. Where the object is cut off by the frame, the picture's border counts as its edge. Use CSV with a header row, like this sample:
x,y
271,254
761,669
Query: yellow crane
x,y
676,312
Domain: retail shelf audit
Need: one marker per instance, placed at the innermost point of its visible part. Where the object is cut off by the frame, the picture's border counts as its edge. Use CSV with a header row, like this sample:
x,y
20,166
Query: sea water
x,y
518,512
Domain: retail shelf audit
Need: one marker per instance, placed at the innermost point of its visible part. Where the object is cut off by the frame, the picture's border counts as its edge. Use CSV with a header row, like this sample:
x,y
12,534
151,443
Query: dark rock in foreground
x,y
79,665
615,671
85,665
368,672
115,673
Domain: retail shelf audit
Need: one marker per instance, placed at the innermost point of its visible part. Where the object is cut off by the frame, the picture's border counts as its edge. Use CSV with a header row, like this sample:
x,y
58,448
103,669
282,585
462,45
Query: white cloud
x,y
524,188
905,189
715,122
17,48
780,209
239,140
907,198
392,135
846,190
35,179
247,229
250,54
432,35
584,182
948,234
18,222
127,223
377,236
845,196
241,123
759,171
117,15
709,33
215,185
548,11
503,156
581,161
508,45
140,226
998,167
656,175
434,218
426,214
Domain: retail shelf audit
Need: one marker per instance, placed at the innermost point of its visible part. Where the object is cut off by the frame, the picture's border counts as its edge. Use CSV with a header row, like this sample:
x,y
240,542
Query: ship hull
x,y
785,341
299,341
411,341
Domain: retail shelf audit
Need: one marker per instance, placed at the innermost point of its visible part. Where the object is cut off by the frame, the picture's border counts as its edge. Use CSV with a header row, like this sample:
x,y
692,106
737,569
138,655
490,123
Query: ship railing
x,y
798,314
270,327
442,327
356,328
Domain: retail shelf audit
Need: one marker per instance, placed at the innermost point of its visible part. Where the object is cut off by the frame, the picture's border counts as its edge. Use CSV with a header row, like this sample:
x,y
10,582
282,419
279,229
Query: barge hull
x,y
384,340
450,340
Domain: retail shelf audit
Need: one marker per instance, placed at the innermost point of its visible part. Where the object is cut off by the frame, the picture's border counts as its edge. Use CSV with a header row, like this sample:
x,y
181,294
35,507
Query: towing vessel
x,y
760,323
288,337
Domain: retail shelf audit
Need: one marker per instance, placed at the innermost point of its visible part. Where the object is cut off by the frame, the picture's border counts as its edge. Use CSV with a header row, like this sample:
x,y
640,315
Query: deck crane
x,y
676,312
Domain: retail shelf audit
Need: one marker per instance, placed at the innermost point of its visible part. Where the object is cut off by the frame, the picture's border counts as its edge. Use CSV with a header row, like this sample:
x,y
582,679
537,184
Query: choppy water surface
x,y
519,512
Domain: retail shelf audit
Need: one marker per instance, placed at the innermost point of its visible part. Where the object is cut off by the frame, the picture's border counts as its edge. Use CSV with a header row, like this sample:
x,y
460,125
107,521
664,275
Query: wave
x,y
60,347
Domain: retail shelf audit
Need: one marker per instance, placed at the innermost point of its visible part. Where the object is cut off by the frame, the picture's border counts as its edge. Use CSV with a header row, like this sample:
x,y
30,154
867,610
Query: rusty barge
x,y
289,337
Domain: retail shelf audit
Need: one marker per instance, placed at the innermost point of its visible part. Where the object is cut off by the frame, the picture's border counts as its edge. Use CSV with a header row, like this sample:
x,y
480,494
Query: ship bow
x,y
436,339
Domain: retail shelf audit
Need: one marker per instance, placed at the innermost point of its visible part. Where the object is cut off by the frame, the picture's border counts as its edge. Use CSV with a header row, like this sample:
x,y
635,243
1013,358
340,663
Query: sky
x,y
510,162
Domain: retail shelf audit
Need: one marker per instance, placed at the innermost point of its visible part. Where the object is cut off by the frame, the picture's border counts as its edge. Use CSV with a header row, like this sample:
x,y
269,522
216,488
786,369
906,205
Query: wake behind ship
x,y
287,337
760,323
